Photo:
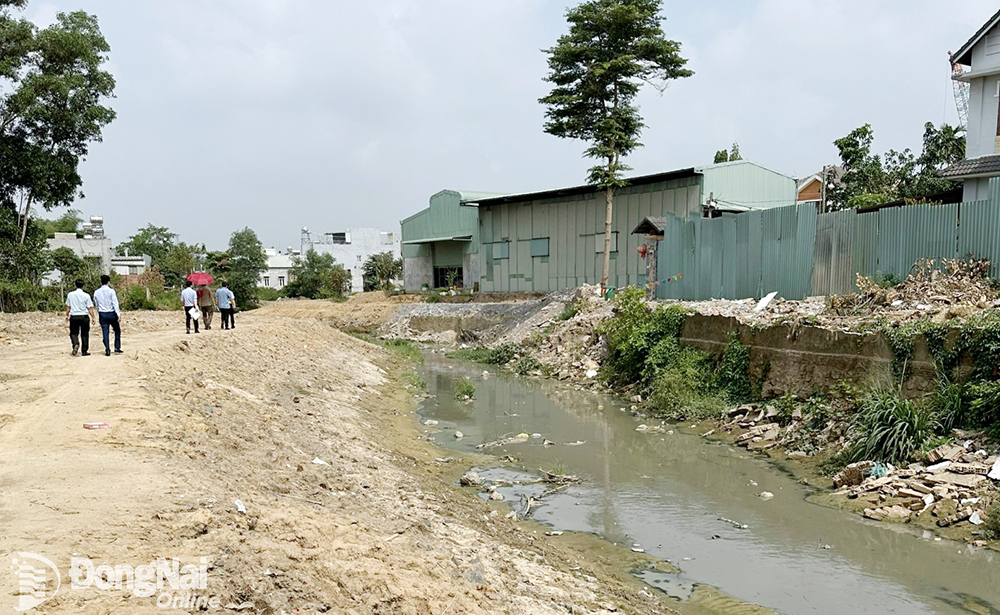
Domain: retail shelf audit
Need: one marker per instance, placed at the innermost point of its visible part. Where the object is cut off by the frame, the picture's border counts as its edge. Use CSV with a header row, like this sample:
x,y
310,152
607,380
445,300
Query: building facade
x,y
278,268
441,242
981,55
550,240
351,248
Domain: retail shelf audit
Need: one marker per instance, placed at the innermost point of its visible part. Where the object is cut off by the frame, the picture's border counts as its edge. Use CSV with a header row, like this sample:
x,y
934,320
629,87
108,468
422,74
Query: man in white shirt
x,y
109,314
227,306
189,299
79,315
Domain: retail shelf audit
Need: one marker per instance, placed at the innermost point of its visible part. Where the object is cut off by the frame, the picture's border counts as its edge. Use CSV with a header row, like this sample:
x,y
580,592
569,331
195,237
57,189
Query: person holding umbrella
x,y
206,303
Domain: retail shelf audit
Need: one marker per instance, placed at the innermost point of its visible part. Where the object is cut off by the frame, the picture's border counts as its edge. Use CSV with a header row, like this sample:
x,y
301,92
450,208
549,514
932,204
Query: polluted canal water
x,y
698,505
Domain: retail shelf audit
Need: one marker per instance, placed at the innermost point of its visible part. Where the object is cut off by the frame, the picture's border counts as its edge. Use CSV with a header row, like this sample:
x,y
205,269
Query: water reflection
x,y
672,494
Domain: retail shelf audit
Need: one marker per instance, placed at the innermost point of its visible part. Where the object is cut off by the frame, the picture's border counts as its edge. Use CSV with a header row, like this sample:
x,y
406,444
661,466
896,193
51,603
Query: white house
x,y
278,267
131,265
352,248
93,246
981,55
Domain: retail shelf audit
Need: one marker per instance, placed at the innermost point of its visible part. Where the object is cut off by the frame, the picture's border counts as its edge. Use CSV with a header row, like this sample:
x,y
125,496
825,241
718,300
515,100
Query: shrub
x,y
268,293
734,370
134,298
681,382
527,364
433,298
479,355
984,405
634,331
891,427
503,354
991,527
464,388
948,401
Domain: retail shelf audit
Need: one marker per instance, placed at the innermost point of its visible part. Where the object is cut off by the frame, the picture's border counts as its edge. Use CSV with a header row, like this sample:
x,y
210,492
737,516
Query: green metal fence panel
x,y
979,232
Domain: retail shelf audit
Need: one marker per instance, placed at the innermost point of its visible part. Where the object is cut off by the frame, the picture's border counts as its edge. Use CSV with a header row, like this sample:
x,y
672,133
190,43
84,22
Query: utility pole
x,y
822,190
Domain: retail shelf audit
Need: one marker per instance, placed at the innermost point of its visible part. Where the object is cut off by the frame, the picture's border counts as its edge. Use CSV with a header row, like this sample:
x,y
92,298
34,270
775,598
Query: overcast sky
x,y
279,114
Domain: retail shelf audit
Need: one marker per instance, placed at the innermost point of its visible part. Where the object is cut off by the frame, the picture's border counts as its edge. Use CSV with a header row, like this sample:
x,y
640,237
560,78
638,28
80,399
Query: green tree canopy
x,y
246,262
612,48
68,222
156,241
721,156
871,179
52,90
317,276
379,270
181,259
218,264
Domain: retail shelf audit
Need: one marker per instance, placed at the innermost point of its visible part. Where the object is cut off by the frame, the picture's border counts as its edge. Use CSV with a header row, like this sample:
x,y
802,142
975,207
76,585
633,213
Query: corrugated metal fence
x,y
797,252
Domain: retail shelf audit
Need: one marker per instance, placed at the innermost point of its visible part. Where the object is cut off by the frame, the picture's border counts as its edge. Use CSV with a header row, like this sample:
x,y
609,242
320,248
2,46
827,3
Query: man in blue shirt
x,y
189,299
227,306
79,315
109,314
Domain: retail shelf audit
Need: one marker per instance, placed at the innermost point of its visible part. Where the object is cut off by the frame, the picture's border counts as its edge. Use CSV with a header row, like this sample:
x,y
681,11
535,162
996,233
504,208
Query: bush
x,y
268,293
464,388
948,401
991,527
891,427
134,298
478,355
503,354
434,298
734,371
681,381
526,365
984,406
634,331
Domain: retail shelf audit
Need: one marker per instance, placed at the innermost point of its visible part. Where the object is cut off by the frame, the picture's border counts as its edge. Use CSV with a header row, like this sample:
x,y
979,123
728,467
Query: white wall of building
x,y
358,244
278,266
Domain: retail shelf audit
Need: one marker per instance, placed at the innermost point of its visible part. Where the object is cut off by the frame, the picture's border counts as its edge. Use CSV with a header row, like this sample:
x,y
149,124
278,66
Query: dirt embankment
x,y
283,452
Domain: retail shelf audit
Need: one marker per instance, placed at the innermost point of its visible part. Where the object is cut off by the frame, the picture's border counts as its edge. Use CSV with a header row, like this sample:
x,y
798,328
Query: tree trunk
x,y
24,221
610,193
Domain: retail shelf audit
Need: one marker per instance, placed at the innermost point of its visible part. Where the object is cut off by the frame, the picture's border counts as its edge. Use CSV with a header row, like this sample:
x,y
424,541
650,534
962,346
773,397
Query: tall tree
x,y
381,269
734,153
180,260
721,156
52,90
68,222
156,241
613,47
871,179
317,276
246,262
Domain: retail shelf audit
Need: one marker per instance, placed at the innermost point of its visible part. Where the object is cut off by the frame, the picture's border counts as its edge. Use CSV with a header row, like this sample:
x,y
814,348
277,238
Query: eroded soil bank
x,y
284,452
722,516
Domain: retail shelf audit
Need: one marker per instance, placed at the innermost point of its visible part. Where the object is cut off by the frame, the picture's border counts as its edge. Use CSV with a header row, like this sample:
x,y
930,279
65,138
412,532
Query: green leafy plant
x,y
434,297
503,354
991,527
405,348
733,372
949,403
464,389
891,427
480,354
571,310
526,365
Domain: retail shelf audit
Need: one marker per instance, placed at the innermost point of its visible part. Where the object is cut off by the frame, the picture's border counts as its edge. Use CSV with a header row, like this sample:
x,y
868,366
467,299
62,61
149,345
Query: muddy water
x,y
676,496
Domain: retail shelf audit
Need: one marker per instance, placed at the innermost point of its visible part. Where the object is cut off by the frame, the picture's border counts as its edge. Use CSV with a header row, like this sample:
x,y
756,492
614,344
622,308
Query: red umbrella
x,y
200,277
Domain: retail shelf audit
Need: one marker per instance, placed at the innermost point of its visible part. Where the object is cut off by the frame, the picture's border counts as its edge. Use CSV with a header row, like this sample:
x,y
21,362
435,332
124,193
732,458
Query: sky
x,y
331,114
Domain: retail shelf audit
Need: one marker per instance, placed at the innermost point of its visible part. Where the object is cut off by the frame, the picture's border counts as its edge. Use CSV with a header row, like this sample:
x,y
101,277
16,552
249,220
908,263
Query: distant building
x,y
981,54
278,268
811,190
93,246
131,265
351,248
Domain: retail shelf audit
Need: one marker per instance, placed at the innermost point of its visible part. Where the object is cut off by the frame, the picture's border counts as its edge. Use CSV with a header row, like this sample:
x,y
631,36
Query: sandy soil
x,y
363,312
302,427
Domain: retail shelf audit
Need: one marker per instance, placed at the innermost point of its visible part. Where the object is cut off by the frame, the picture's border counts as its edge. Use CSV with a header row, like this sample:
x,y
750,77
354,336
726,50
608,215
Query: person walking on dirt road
x,y
189,299
79,315
227,306
109,313
206,303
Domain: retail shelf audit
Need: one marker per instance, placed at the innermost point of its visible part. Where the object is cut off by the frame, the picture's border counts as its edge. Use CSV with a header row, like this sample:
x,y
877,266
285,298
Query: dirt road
x,y
283,452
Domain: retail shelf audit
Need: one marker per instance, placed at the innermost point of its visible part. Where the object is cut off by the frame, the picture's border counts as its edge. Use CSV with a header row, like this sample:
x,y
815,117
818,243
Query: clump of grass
x,y
478,355
433,298
891,427
733,372
464,389
558,469
503,354
405,348
413,380
948,400
571,310
991,526
527,364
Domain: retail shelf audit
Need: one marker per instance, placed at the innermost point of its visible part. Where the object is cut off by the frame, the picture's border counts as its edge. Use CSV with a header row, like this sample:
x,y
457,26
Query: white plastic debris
x,y
591,373
767,299
995,471
459,435
765,495
320,462
240,507
975,519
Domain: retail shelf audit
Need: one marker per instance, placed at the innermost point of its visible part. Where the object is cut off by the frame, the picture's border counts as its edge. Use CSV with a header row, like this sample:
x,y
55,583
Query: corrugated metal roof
x,y
962,56
435,239
983,166
587,189
650,224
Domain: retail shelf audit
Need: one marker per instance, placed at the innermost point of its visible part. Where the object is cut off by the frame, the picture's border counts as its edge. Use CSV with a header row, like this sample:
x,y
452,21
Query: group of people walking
x,y
200,303
82,311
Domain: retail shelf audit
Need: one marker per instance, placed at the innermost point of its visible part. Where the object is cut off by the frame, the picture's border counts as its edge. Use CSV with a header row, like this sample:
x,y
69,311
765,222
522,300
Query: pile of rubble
x,y
955,487
767,427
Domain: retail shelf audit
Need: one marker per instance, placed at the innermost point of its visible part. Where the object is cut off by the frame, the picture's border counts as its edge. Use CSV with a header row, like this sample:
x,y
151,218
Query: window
x,y
267,280
359,258
540,246
501,250
599,242
387,239
281,281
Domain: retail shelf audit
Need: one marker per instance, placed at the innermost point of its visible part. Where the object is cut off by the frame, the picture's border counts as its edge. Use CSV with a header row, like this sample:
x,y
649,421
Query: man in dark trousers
x,y
109,314
189,299
79,315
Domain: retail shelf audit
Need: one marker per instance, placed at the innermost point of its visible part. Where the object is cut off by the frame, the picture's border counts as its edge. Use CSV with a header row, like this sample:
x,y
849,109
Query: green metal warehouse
x,y
441,243
554,239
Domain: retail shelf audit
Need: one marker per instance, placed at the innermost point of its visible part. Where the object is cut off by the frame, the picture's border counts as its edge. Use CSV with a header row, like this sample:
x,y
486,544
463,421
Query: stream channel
x,y
670,494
